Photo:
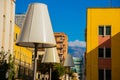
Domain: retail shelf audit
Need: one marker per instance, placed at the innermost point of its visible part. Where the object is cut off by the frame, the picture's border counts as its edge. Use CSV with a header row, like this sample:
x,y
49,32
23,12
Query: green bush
x,y
58,71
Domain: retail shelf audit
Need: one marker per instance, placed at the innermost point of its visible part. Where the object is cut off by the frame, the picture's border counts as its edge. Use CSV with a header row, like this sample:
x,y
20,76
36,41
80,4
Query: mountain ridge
x,y
76,51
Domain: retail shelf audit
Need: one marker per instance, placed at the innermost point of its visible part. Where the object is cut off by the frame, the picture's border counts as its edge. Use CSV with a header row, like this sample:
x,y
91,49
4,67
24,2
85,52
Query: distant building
x,y
62,45
103,44
78,68
19,19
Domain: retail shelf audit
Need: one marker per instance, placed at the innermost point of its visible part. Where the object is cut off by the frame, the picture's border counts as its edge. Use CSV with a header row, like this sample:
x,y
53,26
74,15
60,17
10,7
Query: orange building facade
x,y
102,44
62,45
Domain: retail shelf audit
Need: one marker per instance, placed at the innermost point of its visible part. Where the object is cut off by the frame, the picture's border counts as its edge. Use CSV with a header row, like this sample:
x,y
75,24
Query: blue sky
x,y
68,16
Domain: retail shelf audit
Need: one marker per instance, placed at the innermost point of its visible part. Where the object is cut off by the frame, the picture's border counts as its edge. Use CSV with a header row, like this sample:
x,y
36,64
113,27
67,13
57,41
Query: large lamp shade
x,y
37,31
37,28
69,61
50,56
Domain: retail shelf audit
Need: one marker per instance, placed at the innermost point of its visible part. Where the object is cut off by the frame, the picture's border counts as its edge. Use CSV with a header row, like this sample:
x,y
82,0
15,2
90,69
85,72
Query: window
x,y
108,74
61,45
61,38
101,52
108,52
60,55
101,30
104,74
101,74
105,30
16,36
104,52
108,30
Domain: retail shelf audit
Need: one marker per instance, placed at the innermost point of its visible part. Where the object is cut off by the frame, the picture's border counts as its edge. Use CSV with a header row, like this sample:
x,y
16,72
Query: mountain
x,y
76,51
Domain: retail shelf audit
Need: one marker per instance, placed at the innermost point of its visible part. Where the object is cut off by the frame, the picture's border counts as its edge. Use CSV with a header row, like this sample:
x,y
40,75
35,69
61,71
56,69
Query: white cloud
x,y
77,43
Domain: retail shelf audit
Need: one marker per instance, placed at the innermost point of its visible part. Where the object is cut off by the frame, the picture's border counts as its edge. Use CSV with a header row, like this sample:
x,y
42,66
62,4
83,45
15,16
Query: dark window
x,y
108,52
101,30
16,36
101,74
38,76
108,74
108,30
101,52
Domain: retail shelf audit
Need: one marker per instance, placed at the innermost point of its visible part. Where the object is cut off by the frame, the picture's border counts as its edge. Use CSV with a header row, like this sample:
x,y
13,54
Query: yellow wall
x,y
23,55
96,17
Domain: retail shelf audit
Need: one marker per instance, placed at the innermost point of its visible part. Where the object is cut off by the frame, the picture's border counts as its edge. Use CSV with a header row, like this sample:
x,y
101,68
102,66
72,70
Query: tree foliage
x,y
11,68
6,68
58,71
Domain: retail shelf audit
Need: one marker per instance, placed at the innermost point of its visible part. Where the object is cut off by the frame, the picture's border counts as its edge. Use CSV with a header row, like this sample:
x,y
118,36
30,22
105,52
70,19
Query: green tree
x,y
6,68
58,71
11,68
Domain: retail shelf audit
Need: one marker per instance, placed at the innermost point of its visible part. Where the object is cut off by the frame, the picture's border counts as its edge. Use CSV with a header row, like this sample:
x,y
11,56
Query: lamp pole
x,y
35,61
50,70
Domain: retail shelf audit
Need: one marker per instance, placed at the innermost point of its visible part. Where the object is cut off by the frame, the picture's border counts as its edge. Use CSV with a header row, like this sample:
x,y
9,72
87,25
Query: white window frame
x,y
104,28
104,73
104,53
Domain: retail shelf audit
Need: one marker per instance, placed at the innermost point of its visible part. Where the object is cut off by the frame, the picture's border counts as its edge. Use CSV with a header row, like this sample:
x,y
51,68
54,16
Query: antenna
x,y
110,3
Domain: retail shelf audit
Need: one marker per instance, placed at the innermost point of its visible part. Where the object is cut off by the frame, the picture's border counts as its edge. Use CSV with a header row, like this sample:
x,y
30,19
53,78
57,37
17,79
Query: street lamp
x,y
37,31
50,57
68,63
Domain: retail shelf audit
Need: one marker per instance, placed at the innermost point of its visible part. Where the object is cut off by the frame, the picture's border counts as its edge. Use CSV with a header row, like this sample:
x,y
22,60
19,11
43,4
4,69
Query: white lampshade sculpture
x,y
37,30
68,63
50,57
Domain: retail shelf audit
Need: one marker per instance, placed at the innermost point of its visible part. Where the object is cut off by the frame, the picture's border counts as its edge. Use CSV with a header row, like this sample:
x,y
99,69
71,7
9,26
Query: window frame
x,y
106,27
99,52
104,52
102,27
104,32
105,75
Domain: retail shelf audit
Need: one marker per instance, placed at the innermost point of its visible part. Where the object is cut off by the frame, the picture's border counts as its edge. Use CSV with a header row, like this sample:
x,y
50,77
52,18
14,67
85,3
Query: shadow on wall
x,y
112,61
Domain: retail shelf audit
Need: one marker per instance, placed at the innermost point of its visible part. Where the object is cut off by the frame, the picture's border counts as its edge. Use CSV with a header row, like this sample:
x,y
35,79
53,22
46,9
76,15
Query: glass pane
x,y
101,52
101,74
101,30
108,74
108,30
108,52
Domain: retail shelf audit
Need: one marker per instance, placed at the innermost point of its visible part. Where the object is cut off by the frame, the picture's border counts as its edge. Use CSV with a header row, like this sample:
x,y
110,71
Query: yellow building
x,y
23,59
103,44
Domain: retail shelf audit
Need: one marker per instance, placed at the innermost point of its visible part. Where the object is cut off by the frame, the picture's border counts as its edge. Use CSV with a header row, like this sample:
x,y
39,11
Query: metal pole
x,y
69,72
50,71
35,61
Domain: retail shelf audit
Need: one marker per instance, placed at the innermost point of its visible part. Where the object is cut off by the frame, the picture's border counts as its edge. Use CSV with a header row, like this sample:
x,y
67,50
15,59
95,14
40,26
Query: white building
x,y
19,19
7,13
